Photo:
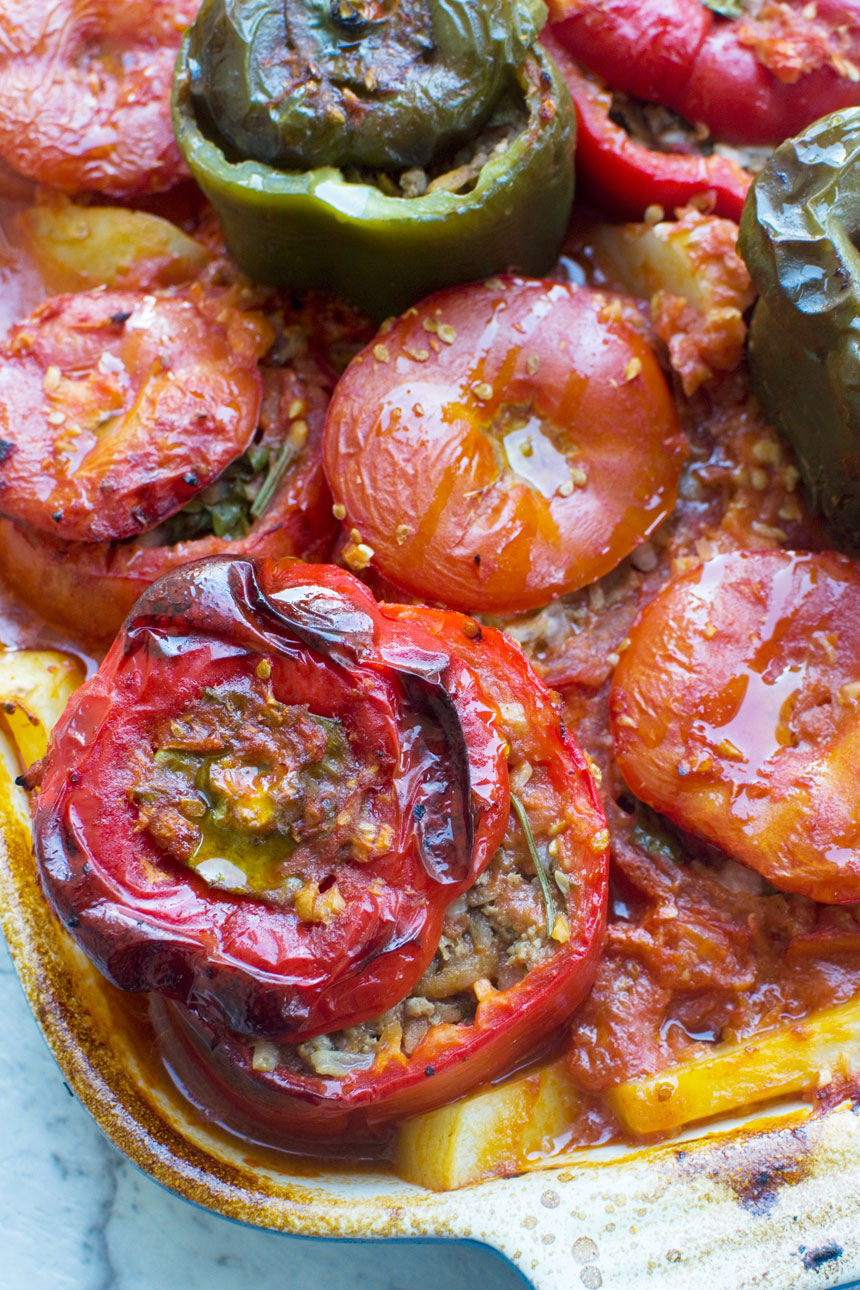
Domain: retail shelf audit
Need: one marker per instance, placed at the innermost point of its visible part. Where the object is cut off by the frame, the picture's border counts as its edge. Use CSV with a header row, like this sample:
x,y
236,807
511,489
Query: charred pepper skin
x,y
797,238
424,739
311,226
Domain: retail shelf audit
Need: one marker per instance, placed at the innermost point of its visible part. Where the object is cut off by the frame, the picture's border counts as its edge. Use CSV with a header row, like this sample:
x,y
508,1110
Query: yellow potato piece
x,y
498,1131
35,686
673,256
785,1061
79,247
659,257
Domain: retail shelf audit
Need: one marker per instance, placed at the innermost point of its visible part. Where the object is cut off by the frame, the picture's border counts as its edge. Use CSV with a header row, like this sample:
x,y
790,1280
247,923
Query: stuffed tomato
x,y
143,428
349,846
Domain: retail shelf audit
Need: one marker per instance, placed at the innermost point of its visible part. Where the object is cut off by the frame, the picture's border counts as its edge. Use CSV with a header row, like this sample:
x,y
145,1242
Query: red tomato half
x,y
86,92
267,797
267,1095
735,713
504,443
117,407
87,588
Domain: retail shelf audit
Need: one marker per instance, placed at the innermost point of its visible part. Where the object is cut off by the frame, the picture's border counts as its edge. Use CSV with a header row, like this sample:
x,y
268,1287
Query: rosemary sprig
x,y
542,876
290,449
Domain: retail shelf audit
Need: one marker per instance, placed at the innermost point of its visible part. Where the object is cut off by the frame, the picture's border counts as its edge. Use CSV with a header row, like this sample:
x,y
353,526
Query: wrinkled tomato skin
x,y
88,588
86,92
289,1109
504,443
150,923
679,53
734,714
117,407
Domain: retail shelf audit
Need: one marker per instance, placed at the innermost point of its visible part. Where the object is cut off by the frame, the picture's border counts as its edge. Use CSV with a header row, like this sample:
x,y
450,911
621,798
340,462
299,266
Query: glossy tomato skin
x,y
734,713
117,407
86,92
504,443
288,1107
88,588
414,719
706,67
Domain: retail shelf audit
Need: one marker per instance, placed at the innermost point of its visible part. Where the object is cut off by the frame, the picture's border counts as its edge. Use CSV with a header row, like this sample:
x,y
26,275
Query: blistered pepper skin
x,y
312,228
797,232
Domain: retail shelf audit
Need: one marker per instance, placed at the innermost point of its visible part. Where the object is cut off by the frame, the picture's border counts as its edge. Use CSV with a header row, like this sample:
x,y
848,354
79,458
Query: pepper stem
x,y
540,870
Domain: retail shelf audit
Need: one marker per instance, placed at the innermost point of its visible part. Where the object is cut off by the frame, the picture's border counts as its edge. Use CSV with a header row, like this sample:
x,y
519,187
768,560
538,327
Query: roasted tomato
x,y
511,966
750,80
734,712
85,102
288,810
117,407
271,501
503,443
267,798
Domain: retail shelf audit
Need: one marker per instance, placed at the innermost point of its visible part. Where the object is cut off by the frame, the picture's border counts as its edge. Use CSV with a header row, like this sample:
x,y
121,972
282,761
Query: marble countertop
x,y
75,1215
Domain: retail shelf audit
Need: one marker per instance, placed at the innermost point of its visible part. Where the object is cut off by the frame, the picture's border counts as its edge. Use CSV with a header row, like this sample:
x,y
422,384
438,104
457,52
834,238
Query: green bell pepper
x,y
798,232
421,182
353,82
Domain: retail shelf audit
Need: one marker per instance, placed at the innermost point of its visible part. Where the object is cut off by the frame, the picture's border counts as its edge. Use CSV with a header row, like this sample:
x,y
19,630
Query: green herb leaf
x,y
728,8
290,449
542,877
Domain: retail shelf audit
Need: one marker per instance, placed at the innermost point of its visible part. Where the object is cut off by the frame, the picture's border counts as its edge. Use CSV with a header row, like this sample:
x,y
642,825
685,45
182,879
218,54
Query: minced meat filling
x,y
253,794
491,938
662,130
457,173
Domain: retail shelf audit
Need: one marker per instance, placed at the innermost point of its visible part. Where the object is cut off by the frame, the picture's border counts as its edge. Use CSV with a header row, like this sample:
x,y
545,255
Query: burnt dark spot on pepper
x,y
418,811
191,480
429,1070
121,318
57,517
476,558
7,448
